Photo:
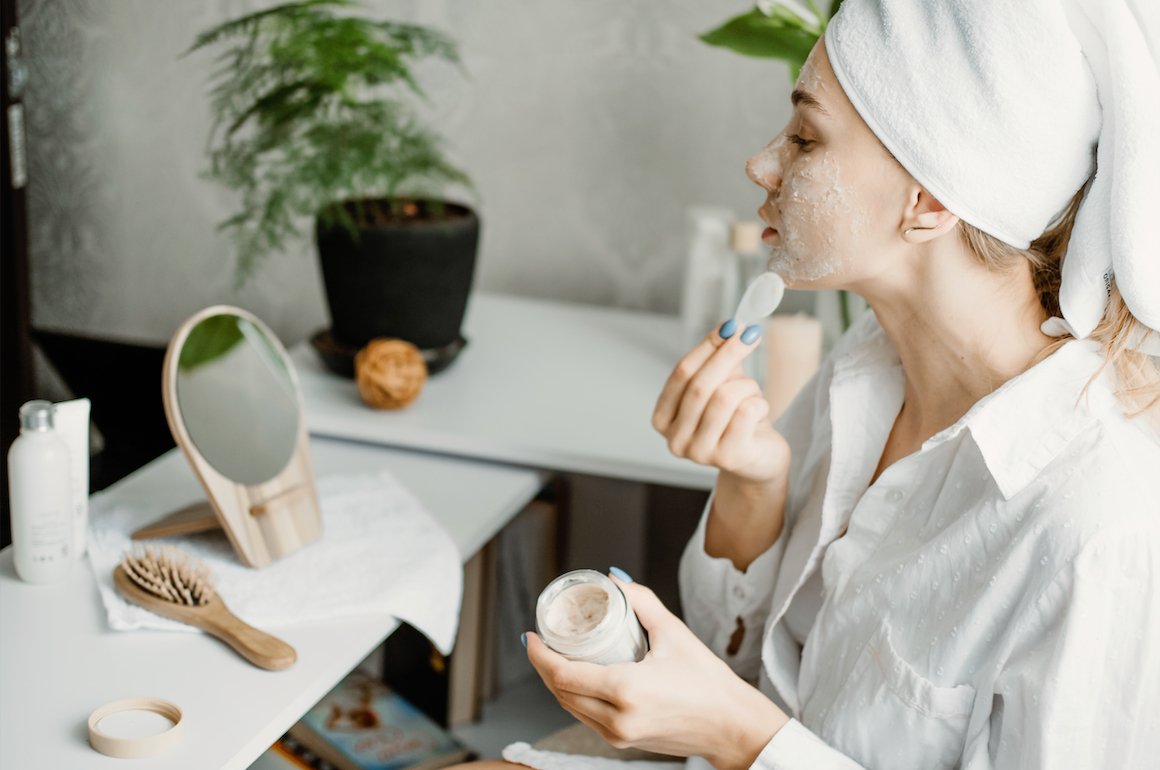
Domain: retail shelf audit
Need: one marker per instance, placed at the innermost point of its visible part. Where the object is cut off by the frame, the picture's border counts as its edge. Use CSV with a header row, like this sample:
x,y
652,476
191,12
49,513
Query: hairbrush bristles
x,y
170,574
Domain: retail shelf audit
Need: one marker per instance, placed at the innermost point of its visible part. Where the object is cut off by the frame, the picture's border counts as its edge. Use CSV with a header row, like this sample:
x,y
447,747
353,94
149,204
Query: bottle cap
x,y
745,237
135,748
37,415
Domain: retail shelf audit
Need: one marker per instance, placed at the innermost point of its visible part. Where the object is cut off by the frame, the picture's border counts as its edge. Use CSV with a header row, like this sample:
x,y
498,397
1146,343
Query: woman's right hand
x,y
712,414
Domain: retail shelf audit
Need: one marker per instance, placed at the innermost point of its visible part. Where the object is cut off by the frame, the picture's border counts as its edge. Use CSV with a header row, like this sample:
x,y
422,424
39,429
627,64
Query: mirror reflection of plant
x,y
208,340
270,356
312,109
785,30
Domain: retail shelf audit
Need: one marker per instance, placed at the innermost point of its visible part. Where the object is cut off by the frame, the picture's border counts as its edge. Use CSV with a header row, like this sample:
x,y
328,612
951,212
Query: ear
x,y
925,218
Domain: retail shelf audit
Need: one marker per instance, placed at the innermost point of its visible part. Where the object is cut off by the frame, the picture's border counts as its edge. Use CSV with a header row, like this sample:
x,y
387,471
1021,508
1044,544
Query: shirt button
x,y
894,496
739,592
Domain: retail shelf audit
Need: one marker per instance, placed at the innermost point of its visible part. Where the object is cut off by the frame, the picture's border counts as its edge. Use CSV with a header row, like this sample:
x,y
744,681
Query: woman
x,y
947,552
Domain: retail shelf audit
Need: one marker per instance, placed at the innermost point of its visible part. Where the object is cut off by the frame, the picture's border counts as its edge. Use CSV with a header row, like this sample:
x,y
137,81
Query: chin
x,y
801,276
824,283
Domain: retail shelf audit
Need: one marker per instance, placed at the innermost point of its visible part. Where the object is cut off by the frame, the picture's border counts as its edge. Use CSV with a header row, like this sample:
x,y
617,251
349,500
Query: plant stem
x,y
844,307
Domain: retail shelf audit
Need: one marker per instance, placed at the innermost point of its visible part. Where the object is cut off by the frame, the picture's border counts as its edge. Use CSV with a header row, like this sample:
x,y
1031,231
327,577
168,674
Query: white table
x,y
59,660
566,387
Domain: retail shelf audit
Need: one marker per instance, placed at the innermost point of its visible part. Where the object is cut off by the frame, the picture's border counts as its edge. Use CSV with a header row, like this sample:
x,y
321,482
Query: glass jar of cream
x,y
583,615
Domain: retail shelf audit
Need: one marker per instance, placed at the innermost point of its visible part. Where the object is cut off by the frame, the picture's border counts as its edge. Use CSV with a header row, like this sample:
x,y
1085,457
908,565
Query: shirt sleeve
x,y
794,747
1083,690
717,597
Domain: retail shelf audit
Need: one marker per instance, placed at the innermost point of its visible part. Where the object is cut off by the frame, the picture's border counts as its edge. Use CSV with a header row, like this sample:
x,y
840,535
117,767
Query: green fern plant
x,y
314,118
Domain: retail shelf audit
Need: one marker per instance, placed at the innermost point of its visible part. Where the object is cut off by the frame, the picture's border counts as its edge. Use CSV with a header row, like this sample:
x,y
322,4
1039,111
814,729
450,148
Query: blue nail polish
x,y
751,334
727,329
627,578
524,639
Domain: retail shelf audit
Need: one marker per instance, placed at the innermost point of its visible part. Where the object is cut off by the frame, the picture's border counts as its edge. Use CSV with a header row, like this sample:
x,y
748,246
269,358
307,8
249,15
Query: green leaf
x,y
781,36
244,25
210,339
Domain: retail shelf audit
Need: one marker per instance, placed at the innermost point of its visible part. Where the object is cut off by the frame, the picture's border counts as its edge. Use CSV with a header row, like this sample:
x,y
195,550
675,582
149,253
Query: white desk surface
x,y
59,660
551,385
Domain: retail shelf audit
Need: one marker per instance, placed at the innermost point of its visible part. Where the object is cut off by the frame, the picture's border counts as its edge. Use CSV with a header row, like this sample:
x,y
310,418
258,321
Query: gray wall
x,y
587,126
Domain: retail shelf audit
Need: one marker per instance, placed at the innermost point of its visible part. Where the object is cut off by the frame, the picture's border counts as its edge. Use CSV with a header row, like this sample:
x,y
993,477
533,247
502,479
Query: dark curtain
x,y
15,346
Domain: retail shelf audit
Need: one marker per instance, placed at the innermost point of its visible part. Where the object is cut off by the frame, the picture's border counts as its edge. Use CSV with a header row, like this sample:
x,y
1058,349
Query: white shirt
x,y
995,602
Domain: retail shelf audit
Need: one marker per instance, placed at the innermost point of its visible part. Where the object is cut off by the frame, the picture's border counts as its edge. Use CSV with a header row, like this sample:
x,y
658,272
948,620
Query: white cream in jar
x,y
583,615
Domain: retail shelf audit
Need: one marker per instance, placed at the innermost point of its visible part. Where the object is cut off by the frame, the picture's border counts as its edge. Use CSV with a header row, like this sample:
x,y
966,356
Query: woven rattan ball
x,y
390,373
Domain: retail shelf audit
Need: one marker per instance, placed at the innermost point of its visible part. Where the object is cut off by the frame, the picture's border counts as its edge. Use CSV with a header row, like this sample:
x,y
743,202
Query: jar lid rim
x,y
580,577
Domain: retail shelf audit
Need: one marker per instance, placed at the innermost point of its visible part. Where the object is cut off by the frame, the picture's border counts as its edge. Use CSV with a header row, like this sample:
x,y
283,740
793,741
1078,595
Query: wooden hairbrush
x,y
175,586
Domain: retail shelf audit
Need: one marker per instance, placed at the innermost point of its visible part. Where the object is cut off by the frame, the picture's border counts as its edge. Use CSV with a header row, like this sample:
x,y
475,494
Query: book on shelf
x,y
288,754
362,724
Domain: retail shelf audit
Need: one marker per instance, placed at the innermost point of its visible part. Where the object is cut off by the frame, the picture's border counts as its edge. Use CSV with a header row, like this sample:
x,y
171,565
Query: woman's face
x,y
834,195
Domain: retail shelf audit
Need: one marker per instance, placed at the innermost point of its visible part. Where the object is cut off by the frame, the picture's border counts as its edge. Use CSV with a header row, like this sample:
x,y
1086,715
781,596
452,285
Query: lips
x,y
768,231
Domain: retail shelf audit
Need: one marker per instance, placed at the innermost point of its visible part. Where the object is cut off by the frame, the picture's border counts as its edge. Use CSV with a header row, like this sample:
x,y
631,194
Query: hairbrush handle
x,y
260,648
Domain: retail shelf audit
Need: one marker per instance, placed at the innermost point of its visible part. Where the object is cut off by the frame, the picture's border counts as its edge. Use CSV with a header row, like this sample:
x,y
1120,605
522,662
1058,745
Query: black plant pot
x,y
407,279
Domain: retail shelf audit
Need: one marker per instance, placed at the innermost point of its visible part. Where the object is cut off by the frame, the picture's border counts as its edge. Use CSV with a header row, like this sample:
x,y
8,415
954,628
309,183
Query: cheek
x,y
817,193
823,218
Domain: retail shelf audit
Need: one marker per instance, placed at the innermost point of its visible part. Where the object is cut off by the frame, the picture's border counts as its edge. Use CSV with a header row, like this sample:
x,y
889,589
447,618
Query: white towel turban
x,y
1003,108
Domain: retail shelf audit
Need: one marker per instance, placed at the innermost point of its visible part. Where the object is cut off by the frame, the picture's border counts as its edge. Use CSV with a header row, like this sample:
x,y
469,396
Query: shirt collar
x,y
1024,424
1021,426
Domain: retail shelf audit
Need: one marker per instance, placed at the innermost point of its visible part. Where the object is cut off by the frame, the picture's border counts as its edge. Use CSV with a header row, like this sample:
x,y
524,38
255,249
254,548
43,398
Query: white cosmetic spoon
x,y
761,298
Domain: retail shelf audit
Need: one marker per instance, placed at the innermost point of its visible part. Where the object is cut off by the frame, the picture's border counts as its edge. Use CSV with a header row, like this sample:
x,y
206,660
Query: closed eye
x,y
798,140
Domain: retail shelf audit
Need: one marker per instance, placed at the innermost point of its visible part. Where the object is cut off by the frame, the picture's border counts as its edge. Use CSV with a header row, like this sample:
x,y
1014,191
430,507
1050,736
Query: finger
x,y
596,727
666,407
701,388
674,387
720,410
741,429
595,710
586,709
561,674
653,615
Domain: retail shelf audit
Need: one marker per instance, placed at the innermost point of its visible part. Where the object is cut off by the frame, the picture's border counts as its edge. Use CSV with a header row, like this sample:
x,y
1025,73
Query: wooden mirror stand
x,y
264,522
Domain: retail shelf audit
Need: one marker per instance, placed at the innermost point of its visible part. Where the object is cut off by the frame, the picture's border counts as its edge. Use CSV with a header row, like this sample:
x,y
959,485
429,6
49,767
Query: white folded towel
x,y
997,107
380,552
523,754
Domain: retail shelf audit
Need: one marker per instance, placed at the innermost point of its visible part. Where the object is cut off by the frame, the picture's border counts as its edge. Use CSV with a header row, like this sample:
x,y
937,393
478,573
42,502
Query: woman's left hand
x,y
680,700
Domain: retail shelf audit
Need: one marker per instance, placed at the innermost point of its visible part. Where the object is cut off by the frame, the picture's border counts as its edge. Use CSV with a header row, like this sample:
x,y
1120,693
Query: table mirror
x,y
234,406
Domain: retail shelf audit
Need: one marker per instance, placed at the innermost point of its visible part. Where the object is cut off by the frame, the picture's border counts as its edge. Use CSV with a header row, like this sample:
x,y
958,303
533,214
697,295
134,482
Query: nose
x,y
764,168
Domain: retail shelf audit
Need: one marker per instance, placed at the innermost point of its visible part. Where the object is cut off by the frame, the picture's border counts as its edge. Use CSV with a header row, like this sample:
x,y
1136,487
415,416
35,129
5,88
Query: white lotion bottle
x,y
40,497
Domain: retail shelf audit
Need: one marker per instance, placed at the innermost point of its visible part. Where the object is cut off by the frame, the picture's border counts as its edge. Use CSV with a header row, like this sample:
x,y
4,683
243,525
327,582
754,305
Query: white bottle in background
x,y
747,262
71,422
744,262
707,235
40,496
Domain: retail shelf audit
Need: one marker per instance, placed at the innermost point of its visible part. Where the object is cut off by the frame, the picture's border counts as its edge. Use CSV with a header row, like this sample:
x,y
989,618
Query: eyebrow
x,y
806,98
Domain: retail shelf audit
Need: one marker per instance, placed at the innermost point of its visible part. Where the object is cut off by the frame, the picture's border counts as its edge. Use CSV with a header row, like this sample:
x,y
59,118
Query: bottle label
x,y
49,537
